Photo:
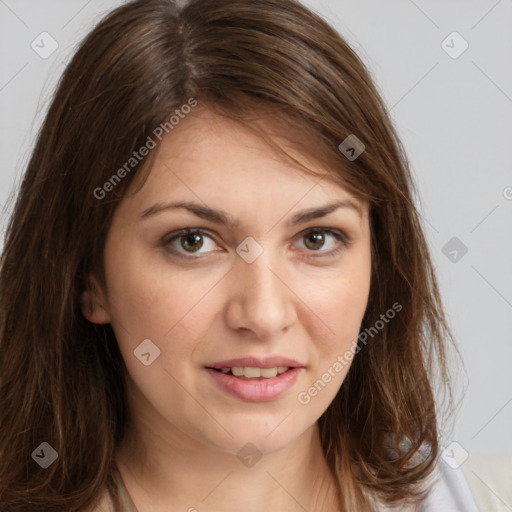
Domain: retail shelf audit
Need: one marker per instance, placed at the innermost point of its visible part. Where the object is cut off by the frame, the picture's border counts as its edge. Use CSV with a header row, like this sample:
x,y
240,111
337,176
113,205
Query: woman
x,y
215,289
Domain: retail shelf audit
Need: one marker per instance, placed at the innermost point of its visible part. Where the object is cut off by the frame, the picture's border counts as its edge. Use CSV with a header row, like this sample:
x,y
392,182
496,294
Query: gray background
x,y
454,116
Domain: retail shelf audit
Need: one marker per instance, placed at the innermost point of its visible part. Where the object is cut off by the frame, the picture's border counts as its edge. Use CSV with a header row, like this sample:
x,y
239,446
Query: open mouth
x,y
255,384
250,372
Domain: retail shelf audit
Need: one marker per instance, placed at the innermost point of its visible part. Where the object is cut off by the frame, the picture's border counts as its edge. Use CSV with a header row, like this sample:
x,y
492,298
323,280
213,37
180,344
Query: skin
x,y
180,452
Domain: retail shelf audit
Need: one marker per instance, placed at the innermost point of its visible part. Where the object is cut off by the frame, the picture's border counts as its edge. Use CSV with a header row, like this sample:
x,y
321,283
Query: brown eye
x,y
325,242
189,241
314,241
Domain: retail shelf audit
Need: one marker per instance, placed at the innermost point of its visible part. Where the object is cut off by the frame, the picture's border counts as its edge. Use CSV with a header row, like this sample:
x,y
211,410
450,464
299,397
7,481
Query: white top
x,y
450,493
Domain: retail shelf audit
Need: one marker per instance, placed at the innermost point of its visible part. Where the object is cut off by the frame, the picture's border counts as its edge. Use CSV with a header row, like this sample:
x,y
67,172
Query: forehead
x,y
220,162
225,148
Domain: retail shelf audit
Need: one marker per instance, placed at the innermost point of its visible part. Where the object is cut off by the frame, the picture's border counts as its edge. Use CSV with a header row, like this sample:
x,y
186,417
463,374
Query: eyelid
x,y
167,239
343,238
324,229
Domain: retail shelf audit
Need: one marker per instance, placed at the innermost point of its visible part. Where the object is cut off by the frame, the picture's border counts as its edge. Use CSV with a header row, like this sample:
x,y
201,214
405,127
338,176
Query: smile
x,y
255,384
252,372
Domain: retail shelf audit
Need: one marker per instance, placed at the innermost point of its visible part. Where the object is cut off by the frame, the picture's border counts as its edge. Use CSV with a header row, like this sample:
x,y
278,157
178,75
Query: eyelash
x,y
342,237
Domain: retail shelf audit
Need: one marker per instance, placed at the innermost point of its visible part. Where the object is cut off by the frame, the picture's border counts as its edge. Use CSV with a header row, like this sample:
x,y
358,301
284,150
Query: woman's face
x,y
251,288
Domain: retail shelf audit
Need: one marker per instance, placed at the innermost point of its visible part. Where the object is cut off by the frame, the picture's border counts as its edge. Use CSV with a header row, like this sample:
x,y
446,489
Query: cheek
x,y
339,308
147,301
340,303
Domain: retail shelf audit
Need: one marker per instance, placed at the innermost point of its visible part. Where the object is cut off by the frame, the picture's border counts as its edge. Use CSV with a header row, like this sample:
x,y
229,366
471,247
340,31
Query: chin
x,y
261,436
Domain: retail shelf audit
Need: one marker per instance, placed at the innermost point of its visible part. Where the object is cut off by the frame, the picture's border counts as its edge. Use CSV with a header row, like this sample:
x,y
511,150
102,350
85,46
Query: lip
x,y
258,389
256,362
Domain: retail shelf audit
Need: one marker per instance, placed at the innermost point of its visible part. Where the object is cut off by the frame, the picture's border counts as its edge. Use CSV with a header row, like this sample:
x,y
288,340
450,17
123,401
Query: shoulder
x,y
449,491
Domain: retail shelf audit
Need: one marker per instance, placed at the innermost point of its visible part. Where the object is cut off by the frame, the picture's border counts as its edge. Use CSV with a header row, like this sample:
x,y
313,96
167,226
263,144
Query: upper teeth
x,y
252,372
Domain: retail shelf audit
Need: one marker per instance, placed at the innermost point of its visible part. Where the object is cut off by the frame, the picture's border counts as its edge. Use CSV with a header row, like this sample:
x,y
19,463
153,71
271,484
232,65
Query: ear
x,y
94,303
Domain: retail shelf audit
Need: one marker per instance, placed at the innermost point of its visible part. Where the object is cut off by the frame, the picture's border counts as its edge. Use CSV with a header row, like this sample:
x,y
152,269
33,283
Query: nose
x,y
261,302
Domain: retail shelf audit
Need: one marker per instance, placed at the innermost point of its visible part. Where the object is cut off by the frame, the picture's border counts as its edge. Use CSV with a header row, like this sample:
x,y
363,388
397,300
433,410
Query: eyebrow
x,y
222,217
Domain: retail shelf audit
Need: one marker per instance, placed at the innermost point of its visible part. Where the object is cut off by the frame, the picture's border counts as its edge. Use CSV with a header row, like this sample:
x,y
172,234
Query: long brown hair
x,y
62,377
